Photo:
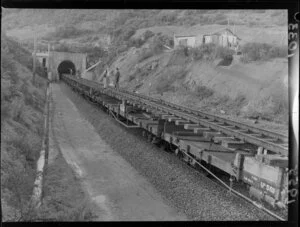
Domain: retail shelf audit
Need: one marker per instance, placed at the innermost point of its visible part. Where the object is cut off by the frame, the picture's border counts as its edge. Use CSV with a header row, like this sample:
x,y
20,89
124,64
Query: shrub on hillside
x,y
179,56
155,47
204,52
167,40
203,92
262,51
16,185
128,33
224,53
135,42
211,52
137,23
278,52
69,31
7,66
131,77
148,34
254,51
26,149
122,35
157,44
155,41
267,108
166,17
5,111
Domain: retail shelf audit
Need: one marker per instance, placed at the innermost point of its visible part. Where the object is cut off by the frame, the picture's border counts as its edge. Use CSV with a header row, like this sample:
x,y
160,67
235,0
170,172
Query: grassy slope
x,y
21,135
21,130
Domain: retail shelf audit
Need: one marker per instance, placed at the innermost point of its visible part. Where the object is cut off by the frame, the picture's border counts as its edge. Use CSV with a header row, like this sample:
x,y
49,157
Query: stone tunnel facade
x,y
65,62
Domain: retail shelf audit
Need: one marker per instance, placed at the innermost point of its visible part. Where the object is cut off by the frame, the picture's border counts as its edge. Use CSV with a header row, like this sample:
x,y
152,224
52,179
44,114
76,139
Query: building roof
x,y
42,54
202,30
178,36
220,31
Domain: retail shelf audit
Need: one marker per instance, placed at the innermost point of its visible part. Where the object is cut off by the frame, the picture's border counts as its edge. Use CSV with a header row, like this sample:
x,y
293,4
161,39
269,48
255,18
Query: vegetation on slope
x,y
85,27
22,104
141,18
21,130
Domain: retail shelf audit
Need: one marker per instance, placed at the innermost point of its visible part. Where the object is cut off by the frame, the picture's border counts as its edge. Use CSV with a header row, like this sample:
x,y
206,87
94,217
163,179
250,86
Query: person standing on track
x,y
108,76
105,78
117,79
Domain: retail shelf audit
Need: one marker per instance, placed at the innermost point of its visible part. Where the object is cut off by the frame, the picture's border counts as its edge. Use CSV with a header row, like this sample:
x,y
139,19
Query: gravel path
x,y
180,185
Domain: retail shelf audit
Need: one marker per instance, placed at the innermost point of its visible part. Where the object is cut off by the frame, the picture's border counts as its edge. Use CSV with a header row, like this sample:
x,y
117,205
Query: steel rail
x,y
233,132
277,135
157,104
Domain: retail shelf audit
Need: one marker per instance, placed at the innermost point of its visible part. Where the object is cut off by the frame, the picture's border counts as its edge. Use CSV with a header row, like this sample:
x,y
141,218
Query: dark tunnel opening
x,y
66,67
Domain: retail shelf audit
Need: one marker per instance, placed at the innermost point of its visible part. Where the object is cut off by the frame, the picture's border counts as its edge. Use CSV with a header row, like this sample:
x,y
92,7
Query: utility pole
x,y
49,76
233,28
34,56
48,48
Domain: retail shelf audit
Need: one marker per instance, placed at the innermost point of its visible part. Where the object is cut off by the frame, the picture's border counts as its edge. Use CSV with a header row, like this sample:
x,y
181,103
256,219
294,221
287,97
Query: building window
x,y
183,42
44,62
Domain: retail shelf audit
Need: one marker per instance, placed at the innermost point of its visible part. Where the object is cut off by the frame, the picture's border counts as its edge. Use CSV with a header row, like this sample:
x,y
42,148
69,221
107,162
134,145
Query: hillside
x,y
257,89
21,129
133,41
21,23
22,122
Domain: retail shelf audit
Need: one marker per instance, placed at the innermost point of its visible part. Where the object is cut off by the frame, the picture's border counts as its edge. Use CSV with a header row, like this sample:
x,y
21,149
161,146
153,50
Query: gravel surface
x,y
181,186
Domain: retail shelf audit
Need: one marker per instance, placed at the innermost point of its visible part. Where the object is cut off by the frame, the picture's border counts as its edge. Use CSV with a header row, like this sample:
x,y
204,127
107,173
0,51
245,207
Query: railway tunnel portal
x,y
62,62
66,67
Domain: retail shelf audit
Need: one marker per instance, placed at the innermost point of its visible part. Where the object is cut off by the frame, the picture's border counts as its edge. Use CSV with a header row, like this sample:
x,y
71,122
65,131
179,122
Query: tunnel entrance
x,y
66,67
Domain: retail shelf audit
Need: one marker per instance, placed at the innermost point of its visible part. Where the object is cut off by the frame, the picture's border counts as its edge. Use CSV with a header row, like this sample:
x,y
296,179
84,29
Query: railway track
x,y
194,119
191,128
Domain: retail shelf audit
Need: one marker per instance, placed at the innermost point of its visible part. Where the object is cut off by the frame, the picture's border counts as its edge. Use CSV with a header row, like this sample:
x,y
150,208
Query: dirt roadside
x,y
117,189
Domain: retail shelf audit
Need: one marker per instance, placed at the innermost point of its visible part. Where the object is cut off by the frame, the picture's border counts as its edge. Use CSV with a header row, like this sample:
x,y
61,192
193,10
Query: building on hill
x,y
185,40
225,38
43,57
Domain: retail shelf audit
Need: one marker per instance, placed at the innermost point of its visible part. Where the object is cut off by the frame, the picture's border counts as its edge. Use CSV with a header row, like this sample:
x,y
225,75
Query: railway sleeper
x,y
230,143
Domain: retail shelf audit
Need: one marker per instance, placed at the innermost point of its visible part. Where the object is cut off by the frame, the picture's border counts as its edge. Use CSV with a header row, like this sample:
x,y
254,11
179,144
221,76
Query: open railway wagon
x,y
245,154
